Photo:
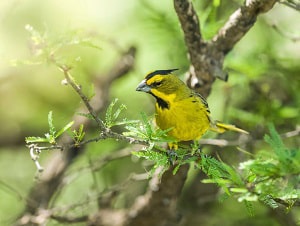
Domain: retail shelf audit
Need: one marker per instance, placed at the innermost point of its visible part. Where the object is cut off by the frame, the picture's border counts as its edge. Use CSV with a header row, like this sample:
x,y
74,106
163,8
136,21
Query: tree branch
x,y
207,57
239,23
42,192
85,100
199,73
159,205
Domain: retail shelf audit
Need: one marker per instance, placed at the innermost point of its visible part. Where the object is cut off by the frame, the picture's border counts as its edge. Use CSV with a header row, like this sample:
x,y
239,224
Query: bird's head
x,y
160,83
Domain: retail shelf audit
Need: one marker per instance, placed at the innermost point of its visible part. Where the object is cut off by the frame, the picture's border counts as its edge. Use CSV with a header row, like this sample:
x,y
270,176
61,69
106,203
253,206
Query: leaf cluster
x,y
271,177
113,114
145,130
52,135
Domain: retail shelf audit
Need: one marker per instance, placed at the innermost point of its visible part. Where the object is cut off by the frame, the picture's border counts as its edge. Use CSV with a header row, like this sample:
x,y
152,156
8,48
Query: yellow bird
x,y
180,108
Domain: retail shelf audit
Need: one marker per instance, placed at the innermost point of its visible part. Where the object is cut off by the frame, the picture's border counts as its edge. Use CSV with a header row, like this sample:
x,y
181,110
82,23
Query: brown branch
x,y
200,72
207,57
283,217
83,97
291,3
190,25
42,192
69,219
240,23
159,205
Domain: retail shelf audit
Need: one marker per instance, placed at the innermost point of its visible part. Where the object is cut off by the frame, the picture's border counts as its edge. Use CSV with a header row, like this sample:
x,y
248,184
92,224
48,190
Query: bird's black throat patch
x,y
162,104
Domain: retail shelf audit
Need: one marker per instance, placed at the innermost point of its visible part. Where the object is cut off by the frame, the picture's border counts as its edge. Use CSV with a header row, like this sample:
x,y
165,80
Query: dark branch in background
x,y
159,205
239,24
199,74
42,192
156,207
294,38
207,57
291,3
66,219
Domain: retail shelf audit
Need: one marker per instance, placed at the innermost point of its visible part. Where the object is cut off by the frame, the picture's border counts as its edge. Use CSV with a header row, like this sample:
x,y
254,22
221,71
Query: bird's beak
x,y
143,87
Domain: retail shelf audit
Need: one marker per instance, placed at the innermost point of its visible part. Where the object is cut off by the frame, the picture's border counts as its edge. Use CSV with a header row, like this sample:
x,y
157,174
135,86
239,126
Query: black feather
x,y
160,72
162,104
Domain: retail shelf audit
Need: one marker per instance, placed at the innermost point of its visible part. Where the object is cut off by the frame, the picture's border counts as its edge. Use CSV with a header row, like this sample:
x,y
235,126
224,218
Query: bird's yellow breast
x,y
188,118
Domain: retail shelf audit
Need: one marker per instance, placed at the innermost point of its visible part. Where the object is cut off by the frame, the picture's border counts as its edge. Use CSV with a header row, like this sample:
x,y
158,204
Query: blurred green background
x,y
263,86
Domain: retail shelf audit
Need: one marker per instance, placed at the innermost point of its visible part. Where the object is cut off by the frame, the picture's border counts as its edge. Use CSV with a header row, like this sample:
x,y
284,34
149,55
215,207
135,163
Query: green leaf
x,y
146,122
216,3
125,122
275,141
269,201
234,176
36,140
238,190
249,207
50,123
289,161
64,129
78,135
111,116
87,115
160,159
50,138
109,113
118,112
146,131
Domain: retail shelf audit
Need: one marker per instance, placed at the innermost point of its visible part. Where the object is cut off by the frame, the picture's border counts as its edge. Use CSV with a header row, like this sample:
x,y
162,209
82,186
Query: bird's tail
x,y
220,127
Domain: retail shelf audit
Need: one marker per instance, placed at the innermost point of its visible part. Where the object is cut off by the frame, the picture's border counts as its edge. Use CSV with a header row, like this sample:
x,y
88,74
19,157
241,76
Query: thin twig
x,y
69,219
292,4
13,190
36,150
293,133
83,97
283,34
34,154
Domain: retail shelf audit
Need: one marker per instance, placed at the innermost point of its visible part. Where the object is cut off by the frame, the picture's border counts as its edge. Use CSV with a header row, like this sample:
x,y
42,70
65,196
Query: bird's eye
x,y
157,84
